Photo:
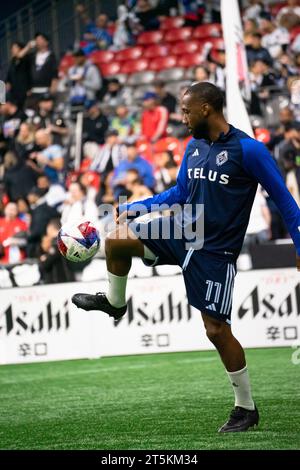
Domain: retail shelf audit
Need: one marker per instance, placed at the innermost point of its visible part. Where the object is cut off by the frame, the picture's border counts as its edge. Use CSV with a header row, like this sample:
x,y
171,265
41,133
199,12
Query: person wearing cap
x,y
154,118
115,94
49,118
84,80
95,124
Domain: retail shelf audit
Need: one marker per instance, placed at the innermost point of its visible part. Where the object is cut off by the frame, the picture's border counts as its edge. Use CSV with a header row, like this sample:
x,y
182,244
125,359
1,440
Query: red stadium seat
x,y
189,60
214,55
183,47
217,43
274,9
130,53
133,66
176,35
171,22
144,149
156,50
66,62
208,31
101,57
110,69
150,37
294,33
161,63
169,143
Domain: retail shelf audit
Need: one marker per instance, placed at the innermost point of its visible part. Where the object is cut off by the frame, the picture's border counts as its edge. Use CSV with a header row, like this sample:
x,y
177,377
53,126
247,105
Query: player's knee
x,y
110,242
214,331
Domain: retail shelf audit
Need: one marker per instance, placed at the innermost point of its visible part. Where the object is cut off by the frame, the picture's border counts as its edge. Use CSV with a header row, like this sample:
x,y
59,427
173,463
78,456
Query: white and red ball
x,y
78,242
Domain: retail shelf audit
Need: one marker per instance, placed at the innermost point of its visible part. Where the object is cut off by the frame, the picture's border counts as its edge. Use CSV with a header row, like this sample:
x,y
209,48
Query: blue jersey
x,y
223,175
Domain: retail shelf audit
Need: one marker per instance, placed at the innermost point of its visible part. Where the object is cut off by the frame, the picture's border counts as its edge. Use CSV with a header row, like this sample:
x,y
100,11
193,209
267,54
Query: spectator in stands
x,y
115,95
292,8
25,141
154,118
289,151
84,80
43,69
91,184
250,27
125,123
255,51
12,235
216,68
261,80
275,39
12,119
19,178
53,267
193,11
49,159
165,98
49,118
254,10
108,158
126,28
135,188
286,117
41,214
77,206
24,210
201,74
95,124
147,15
133,161
18,78
166,171
55,193
96,33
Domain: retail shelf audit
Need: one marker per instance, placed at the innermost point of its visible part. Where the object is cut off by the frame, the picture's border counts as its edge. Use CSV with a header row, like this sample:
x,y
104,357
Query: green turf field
x,y
165,401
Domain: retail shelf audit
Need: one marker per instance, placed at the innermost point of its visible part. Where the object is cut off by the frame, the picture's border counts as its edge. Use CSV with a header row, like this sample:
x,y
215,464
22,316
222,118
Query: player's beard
x,y
200,130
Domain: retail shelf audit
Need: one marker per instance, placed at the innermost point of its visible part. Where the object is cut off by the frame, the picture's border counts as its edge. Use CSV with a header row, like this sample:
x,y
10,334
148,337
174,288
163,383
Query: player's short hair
x,y
208,93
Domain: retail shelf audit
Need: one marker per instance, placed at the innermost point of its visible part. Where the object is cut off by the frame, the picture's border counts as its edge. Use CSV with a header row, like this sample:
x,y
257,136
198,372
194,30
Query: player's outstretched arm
x,y
175,195
259,163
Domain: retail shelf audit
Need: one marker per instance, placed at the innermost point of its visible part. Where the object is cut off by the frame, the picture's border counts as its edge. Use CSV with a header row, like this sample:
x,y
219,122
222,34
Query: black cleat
x,y
98,302
241,420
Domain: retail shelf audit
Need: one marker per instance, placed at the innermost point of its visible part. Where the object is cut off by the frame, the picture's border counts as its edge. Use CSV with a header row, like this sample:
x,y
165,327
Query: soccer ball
x,y
78,241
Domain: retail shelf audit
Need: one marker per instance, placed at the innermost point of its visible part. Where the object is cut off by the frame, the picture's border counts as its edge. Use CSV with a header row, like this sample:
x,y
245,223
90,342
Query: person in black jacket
x,y
95,124
53,266
17,79
18,178
41,214
43,69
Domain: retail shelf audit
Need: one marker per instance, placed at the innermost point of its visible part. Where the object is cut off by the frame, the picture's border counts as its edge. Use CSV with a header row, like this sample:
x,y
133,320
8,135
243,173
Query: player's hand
x,y
124,217
298,262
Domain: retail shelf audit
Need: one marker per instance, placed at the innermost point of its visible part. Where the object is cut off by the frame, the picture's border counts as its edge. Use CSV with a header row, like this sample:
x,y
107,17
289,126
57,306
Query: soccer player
x,y
221,169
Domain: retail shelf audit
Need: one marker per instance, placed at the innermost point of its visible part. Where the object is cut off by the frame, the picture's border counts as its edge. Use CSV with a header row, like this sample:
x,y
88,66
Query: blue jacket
x,y
223,175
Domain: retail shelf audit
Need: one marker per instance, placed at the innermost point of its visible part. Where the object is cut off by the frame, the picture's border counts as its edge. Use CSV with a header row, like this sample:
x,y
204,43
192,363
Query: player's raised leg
x,y
120,246
245,414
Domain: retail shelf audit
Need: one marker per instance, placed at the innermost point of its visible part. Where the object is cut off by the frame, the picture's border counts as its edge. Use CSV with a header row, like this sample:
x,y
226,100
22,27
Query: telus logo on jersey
x,y
212,175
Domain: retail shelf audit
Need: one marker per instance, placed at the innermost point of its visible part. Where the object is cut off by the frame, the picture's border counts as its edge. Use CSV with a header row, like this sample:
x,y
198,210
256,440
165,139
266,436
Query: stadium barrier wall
x,y
41,324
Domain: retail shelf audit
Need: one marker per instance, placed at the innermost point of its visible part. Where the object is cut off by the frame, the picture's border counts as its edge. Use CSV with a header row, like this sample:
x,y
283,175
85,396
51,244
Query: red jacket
x,y
154,123
8,228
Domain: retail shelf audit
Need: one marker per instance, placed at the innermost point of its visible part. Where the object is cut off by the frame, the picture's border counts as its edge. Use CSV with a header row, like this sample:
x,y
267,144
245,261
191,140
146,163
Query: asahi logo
x,y
46,320
268,306
167,312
